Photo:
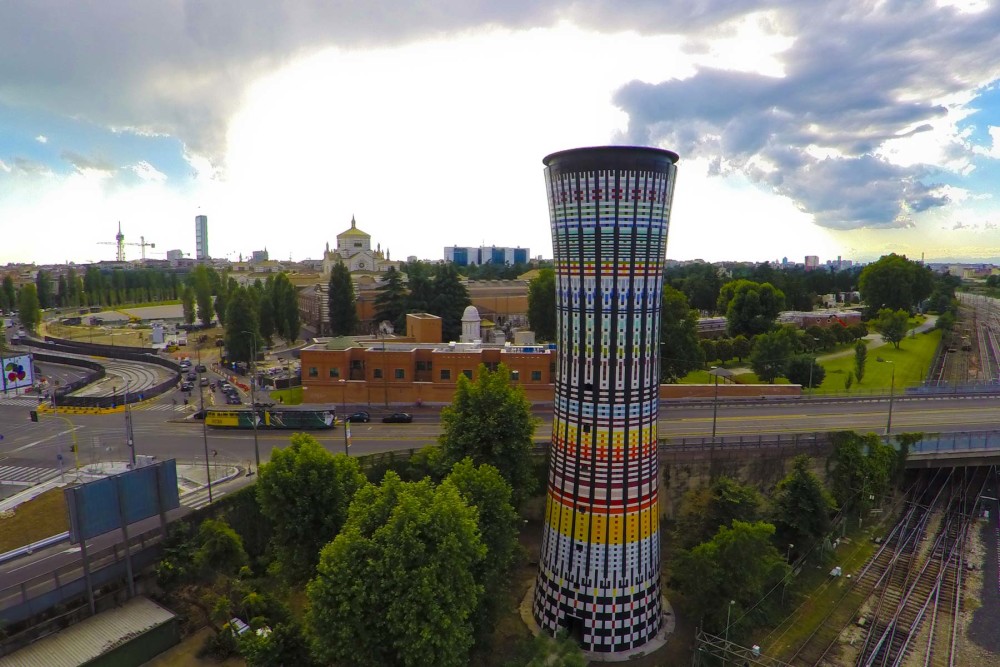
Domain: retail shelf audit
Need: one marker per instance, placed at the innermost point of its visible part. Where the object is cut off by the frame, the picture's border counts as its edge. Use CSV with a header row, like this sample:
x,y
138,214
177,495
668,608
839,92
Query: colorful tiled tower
x,y
599,572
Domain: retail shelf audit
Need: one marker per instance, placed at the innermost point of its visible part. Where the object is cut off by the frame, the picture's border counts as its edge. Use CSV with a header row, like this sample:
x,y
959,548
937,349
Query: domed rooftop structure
x,y
471,327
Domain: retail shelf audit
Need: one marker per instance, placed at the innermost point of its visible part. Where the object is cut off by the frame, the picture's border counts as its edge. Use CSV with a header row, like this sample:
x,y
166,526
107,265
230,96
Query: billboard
x,y
98,507
18,371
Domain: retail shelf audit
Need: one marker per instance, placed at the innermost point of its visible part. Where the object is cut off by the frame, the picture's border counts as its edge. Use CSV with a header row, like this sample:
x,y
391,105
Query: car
x,y
204,382
201,368
359,416
186,386
233,400
192,376
398,418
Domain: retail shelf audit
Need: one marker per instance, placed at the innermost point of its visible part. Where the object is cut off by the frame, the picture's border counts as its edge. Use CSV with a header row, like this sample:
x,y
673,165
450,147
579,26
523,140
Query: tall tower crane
x,y
120,242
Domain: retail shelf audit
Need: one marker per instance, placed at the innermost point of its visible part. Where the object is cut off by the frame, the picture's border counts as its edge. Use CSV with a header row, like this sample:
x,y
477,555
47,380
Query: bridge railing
x,y
956,442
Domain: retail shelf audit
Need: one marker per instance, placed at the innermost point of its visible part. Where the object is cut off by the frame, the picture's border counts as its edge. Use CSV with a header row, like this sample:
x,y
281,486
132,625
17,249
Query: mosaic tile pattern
x,y
599,572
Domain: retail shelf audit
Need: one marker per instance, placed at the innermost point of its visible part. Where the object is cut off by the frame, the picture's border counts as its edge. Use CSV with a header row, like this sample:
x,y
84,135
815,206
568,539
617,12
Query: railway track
x,y
903,606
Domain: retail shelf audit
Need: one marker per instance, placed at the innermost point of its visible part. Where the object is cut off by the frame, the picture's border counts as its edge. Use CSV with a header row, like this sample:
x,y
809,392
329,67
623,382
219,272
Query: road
x,y
162,429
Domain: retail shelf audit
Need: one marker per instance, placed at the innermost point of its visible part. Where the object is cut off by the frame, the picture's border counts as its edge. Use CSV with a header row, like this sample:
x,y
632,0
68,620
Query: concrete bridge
x,y
945,450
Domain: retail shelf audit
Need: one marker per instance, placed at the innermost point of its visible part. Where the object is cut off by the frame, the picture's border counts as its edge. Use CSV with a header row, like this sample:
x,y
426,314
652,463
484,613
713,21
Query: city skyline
x,y
854,131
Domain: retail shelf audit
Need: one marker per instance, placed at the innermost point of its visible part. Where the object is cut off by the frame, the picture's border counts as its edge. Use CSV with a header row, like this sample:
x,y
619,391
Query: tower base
x,y
653,645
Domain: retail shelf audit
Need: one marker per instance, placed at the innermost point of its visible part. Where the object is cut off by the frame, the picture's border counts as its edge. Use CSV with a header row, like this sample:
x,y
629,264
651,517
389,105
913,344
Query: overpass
x,y
961,449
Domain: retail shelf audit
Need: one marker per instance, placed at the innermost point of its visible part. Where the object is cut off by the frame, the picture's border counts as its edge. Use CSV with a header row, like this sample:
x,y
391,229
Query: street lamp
x,y
729,612
892,391
716,371
253,396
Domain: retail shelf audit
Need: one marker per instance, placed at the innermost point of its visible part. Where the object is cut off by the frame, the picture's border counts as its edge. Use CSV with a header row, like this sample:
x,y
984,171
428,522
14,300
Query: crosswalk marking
x,y
27,474
18,401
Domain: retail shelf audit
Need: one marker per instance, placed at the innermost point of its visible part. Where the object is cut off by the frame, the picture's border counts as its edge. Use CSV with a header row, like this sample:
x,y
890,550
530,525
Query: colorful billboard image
x,y
17,371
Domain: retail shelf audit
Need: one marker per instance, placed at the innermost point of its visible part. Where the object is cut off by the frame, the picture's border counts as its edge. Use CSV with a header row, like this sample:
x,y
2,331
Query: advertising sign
x,y
17,372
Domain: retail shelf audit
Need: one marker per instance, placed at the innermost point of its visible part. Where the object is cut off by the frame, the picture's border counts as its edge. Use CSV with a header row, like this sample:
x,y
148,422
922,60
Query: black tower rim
x,y
611,157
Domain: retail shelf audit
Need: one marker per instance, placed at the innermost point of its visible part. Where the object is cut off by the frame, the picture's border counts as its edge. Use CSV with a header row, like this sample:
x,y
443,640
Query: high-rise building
x,y
812,262
201,237
467,256
599,571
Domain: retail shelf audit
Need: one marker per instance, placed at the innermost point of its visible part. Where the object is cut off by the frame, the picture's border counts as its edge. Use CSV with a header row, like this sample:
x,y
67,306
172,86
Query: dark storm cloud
x,y
856,75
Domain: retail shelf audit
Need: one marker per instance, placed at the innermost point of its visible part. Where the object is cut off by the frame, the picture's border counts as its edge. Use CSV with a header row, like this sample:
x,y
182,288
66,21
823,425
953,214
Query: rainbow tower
x,y
599,572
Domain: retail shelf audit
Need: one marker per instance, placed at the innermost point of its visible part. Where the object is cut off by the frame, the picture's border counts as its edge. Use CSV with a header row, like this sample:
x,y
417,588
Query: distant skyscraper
x,y
599,571
201,237
812,262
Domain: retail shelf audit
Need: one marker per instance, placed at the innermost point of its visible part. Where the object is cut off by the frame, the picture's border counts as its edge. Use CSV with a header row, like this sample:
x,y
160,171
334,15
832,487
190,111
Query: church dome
x,y
471,314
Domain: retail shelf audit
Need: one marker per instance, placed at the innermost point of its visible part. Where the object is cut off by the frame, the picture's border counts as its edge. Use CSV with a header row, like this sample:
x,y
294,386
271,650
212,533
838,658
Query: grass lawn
x,y
910,362
41,517
290,396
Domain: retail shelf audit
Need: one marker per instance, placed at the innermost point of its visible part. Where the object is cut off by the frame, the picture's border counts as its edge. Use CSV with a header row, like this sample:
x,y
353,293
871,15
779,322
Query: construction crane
x,y
120,242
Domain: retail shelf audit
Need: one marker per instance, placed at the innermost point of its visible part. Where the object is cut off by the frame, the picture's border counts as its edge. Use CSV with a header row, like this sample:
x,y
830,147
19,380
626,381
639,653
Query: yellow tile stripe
x,y
601,528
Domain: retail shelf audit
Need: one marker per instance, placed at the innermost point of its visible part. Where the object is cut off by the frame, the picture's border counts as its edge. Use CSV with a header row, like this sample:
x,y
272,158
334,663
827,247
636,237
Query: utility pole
x,y
253,395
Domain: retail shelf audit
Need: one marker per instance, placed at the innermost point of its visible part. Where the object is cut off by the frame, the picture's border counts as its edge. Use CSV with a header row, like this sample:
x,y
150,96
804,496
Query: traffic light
x,y
34,415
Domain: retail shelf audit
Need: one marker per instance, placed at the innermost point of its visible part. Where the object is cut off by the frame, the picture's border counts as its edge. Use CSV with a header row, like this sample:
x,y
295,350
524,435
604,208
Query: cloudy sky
x,y
850,128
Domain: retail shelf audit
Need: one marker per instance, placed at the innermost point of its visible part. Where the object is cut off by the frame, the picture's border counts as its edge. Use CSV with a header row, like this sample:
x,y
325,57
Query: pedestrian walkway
x,y
26,475
27,401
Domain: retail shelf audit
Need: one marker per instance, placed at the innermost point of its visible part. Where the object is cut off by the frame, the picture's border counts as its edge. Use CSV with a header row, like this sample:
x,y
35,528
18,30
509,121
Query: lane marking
x,y
51,437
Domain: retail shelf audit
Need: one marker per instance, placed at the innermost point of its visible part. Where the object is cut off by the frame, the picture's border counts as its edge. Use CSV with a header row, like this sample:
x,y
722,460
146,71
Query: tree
x,y
751,308
305,492
802,506
680,352
390,302
483,488
241,317
449,301
8,295
894,282
284,645
892,325
803,369
724,349
343,311
860,357
397,585
542,305
770,354
559,651
265,310
28,308
43,285
201,283
858,476
707,348
222,302
741,347
740,563
221,549
421,292
704,511
490,421
187,304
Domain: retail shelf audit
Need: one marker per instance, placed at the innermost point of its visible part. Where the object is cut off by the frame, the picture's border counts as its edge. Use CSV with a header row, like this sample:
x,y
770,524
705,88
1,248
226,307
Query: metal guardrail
x,y
31,548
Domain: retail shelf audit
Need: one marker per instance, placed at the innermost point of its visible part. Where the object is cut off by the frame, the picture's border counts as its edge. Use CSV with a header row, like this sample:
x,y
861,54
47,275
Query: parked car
x,y
359,416
398,418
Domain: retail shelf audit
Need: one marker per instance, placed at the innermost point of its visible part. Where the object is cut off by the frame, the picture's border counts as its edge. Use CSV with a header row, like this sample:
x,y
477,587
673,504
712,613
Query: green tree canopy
x,y
860,358
187,304
397,586
28,309
220,548
542,305
450,300
751,308
680,351
490,421
892,325
703,511
894,282
201,283
483,488
343,308
390,301
771,353
241,317
802,507
305,492
803,369
43,284
740,563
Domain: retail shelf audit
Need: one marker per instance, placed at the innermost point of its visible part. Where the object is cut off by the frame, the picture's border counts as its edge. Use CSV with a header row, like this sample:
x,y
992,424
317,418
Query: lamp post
x,y
729,612
253,395
892,392
716,371
204,436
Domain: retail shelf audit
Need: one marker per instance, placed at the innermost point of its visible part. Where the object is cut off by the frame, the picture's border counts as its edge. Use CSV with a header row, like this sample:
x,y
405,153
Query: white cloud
x,y
42,139
148,172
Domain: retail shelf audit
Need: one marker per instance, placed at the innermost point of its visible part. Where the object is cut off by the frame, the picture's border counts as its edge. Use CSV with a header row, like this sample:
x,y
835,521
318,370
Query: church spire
x,y
354,225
